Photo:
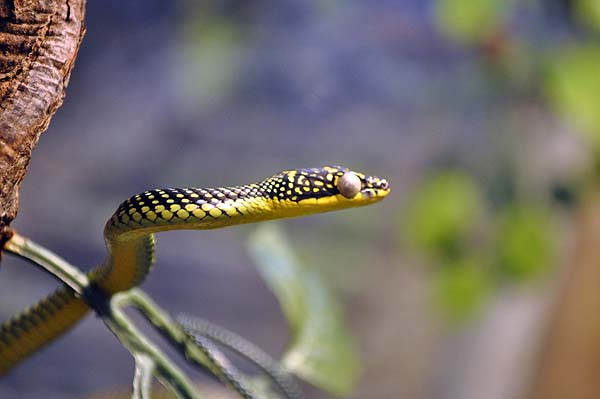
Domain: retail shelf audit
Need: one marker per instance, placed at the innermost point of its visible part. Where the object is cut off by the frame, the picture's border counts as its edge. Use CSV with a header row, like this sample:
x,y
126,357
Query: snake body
x,y
130,242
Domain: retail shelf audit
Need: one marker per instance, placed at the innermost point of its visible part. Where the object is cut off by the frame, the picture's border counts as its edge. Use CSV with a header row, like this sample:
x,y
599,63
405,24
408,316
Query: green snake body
x,y
130,241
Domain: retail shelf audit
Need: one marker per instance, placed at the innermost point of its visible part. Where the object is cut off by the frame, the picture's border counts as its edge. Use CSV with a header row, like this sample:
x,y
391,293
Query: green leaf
x,y
442,213
469,21
461,289
524,242
573,86
321,350
588,12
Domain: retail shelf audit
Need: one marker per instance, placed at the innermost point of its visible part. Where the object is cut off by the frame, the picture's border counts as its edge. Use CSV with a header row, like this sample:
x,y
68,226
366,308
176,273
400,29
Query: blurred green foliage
x,y
443,213
212,57
475,246
524,242
567,70
322,352
588,12
461,289
467,21
573,86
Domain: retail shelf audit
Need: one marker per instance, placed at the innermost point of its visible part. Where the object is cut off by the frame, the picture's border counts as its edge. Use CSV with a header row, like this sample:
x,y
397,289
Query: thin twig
x,y
48,261
142,380
166,372
196,353
197,327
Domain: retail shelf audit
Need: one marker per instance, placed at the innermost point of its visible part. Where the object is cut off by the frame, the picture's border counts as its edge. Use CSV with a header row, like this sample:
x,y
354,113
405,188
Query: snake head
x,y
326,188
357,187
351,185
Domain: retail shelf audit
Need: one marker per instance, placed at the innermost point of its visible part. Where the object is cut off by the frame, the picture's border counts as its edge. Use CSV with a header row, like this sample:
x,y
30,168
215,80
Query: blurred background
x,y
477,276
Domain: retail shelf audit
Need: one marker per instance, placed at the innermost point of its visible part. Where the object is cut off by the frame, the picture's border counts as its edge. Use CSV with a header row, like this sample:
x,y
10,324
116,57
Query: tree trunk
x,y
39,40
569,365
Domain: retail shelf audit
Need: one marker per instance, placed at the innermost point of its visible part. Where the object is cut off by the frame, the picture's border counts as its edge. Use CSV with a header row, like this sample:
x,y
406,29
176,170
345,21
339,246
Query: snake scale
x,y
130,242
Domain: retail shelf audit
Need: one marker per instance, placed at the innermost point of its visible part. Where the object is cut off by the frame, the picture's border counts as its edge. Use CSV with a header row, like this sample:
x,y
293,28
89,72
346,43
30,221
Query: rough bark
x,y
39,40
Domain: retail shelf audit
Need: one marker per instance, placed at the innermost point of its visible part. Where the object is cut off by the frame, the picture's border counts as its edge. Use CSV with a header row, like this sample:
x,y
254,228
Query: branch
x,y
126,332
39,40
108,308
199,328
195,352
142,381
49,262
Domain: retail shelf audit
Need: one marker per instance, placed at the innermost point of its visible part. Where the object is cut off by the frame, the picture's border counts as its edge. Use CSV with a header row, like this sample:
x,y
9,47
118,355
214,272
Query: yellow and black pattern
x,y
130,242
210,205
184,205
41,323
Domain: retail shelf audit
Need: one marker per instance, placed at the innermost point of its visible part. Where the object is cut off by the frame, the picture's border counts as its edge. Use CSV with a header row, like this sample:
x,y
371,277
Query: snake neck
x,y
126,265
129,232
187,208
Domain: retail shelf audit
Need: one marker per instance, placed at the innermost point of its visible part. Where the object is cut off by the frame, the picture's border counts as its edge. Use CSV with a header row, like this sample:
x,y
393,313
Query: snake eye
x,y
349,185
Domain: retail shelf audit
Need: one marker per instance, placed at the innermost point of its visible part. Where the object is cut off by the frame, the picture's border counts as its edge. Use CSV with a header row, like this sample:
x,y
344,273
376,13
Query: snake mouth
x,y
375,188
375,193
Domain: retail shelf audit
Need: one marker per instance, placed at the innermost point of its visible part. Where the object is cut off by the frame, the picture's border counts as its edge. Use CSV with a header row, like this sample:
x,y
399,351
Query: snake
x,y
129,238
